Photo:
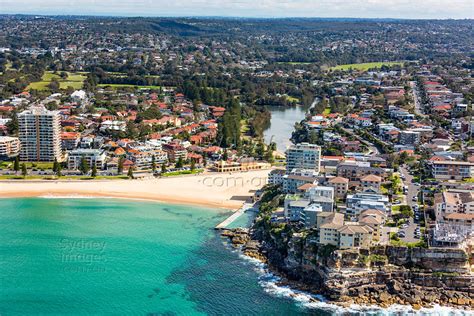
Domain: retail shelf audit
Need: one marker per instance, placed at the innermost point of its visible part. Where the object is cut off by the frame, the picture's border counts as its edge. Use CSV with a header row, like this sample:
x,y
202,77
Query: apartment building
x,y
354,171
340,185
303,156
409,137
359,202
452,170
40,135
9,146
93,157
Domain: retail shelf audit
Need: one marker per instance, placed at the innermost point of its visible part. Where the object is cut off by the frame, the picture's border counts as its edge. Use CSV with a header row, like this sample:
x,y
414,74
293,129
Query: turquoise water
x,y
116,257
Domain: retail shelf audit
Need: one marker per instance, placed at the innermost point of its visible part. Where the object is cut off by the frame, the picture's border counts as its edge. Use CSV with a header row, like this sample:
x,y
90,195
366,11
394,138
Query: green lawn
x,y
327,111
118,86
365,66
179,173
74,79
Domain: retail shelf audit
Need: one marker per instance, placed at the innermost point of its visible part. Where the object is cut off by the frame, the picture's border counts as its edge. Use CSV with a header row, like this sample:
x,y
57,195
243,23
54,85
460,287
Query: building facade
x,y
303,156
9,147
40,135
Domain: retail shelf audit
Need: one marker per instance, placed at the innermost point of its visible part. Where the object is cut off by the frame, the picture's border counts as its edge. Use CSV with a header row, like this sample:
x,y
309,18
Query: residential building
x,y
298,177
340,185
40,135
371,182
452,170
9,147
303,156
409,137
308,216
359,202
354,171
275,177
93,157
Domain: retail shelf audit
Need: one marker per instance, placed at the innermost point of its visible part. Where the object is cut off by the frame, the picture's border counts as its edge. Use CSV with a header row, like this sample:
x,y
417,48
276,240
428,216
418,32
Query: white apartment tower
x,y
40,134
303,156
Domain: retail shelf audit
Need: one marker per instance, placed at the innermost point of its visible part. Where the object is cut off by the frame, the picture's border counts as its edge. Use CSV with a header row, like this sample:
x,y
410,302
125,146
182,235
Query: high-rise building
x,y
303,156
40,134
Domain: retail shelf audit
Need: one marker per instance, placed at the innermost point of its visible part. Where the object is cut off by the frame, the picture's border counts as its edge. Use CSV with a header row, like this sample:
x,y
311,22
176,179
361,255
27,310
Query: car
x,y
417,184
401,234
414,199
404,226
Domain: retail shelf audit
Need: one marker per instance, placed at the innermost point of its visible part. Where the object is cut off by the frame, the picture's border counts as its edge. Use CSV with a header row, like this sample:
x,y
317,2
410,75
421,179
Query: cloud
x,y
249,8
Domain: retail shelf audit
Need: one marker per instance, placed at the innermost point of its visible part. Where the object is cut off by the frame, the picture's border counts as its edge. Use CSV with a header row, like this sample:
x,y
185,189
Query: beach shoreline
x,y
213,190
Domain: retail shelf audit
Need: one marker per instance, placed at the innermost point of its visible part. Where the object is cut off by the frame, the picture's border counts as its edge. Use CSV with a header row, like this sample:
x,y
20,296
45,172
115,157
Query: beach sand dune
x,y
227,191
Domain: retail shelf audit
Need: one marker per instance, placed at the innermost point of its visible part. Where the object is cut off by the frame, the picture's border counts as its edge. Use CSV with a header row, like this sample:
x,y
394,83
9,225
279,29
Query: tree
x,y
406,211
84,166
130,173
55,165
58,171
225,156
153,163
163,168
16,165
179,163
94,171
120,166
24,170
193,165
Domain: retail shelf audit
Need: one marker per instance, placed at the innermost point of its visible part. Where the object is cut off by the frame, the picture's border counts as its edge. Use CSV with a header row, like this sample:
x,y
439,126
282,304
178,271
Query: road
x,y
416,99
373,151
413,190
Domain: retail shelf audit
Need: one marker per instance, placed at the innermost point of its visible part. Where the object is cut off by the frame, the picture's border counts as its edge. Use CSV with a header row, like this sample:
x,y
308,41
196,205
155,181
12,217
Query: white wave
x,y
270,284
69,196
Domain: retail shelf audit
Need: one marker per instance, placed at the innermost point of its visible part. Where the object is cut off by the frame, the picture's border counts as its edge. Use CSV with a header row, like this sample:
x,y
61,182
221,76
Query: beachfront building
x,y
244,164
40,135
93,157
303,156
9,147
275,177
142,157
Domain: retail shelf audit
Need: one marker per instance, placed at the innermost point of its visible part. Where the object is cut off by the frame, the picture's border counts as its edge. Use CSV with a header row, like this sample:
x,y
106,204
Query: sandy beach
x,y
228,191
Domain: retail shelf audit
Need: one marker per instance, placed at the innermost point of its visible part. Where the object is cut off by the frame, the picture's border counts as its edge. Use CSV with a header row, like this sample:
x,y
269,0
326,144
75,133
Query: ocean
x,y
118,257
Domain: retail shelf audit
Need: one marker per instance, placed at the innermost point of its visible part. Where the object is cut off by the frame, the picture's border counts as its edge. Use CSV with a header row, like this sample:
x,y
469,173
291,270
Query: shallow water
x,y
106,256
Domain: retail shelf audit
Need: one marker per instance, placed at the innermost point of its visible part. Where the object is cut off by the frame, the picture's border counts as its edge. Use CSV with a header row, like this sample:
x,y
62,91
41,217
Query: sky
x,y
407,9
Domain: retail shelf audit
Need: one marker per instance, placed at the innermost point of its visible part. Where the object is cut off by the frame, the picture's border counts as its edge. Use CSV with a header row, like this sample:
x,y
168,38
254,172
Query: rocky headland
x,y
382,275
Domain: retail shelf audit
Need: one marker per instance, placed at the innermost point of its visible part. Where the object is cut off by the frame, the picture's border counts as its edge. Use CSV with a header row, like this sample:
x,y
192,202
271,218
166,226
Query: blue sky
x,y
410,9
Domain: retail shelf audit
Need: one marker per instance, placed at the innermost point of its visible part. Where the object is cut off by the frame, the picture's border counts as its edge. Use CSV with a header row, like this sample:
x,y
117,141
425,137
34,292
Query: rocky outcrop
x,y
381,275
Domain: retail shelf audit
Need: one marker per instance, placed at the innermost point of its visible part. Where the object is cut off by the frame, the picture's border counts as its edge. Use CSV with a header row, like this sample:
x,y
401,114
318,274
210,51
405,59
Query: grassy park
x,y
365,66
73,79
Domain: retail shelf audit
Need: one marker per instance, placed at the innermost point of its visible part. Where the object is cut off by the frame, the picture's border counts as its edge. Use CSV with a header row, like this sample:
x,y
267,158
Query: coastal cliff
x,y
382,275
